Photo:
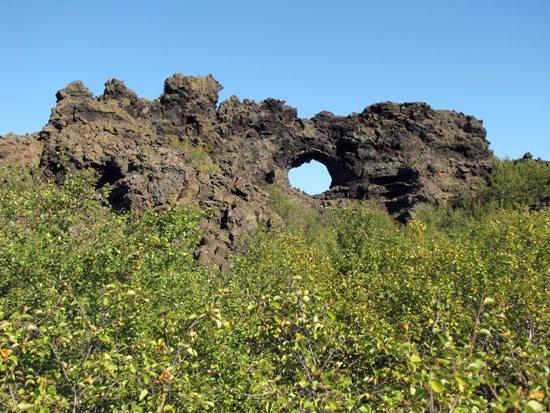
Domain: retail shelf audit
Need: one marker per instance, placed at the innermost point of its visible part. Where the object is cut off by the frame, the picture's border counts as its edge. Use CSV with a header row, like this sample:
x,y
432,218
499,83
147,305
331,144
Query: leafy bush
x,y
341,311
199,153
92,317
510,185
513,184
407,320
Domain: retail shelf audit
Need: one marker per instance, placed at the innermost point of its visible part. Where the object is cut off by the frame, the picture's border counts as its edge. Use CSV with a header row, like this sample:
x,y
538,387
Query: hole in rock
x,y
312,178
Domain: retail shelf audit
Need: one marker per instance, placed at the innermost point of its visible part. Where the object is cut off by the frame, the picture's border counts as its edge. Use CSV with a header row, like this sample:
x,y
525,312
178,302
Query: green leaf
x,y
333,404
143,394
282,401
331,314
534,407
25,407
416,359
476,365
461,380
489,377
488,301
437,386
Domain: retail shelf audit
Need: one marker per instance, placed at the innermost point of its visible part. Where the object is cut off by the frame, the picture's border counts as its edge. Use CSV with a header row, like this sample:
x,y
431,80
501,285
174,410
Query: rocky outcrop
x,y
25,149
183,148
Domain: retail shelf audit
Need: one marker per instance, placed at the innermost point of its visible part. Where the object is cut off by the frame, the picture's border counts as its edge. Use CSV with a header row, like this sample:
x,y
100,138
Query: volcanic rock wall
x,y
398,154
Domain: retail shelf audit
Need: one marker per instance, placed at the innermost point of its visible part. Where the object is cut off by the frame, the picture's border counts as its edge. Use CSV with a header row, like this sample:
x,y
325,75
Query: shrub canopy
x,y
341,311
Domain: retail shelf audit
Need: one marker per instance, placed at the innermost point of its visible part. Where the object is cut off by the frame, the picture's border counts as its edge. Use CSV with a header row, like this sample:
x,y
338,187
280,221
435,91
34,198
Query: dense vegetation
x,y
341,311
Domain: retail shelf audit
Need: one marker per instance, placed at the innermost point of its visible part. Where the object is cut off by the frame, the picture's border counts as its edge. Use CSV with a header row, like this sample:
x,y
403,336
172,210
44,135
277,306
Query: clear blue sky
x,y
489,59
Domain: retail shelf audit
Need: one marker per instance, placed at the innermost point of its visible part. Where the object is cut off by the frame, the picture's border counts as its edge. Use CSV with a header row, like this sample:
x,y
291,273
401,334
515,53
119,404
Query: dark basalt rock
x,y
25,149
400,155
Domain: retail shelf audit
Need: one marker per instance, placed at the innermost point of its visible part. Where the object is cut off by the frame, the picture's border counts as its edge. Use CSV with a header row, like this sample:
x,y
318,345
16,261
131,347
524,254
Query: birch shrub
x,y
108,312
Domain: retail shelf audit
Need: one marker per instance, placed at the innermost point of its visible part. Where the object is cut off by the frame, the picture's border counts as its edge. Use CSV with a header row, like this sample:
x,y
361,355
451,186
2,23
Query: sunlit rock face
x,y
399,155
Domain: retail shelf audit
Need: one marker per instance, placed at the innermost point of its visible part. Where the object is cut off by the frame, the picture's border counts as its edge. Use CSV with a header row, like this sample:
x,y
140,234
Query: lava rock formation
x,y
400,155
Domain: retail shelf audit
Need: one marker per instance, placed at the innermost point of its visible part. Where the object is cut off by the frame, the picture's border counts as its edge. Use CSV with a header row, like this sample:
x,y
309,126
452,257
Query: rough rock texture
x,y
401,155
16,148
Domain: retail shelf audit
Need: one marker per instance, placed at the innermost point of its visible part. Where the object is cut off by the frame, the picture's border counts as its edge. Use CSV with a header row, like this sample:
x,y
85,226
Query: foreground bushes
x,y
96,307
108,312
405,319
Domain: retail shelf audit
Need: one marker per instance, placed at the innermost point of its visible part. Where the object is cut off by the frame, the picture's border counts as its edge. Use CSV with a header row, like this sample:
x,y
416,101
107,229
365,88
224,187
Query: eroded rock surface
x,y
26,149
401,155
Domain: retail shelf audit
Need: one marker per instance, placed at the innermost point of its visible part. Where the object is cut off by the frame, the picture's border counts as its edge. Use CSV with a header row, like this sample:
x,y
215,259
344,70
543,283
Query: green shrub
x,y
510,185
402,321
92,317
514,184
349,312
300,217
199,154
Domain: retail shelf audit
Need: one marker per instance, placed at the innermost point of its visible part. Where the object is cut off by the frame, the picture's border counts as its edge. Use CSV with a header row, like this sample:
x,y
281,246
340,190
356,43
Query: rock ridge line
x,y
183,147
